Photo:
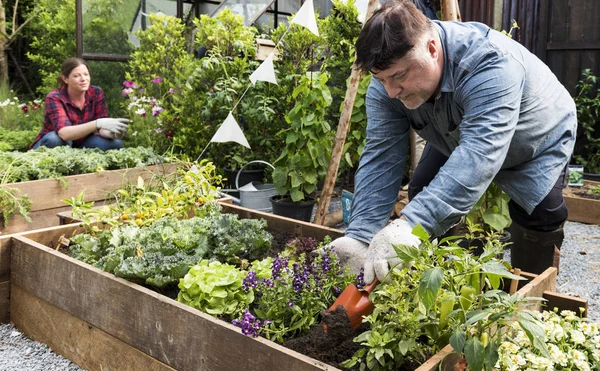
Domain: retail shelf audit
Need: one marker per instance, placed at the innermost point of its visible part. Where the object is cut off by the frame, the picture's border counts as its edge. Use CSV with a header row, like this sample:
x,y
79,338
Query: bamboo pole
x,y
340,136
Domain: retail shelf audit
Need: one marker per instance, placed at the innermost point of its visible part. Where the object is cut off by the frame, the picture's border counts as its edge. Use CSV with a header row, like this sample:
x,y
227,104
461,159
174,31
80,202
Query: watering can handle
x,y
237,177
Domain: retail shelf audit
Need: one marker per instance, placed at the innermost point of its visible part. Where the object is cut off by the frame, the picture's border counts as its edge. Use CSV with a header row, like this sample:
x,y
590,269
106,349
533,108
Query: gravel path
x,y
579,275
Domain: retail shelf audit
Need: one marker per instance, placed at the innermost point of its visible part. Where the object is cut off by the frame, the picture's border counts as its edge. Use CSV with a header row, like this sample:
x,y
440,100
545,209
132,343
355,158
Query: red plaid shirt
x,y
60,112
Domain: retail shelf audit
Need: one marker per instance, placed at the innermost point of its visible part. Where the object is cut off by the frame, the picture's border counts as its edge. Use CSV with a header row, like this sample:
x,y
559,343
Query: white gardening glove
x,y
116,126
380,255
109,134
350,252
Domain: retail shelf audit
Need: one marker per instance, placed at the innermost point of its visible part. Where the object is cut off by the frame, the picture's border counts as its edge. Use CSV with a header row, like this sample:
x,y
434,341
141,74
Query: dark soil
x,y
584,192
332,347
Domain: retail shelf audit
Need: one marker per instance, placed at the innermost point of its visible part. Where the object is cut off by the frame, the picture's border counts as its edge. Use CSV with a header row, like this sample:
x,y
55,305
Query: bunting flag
x,y
306,17
230,131
265,72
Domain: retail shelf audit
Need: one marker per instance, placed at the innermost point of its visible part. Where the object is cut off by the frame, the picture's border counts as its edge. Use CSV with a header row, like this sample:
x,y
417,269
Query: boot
x,y
535,251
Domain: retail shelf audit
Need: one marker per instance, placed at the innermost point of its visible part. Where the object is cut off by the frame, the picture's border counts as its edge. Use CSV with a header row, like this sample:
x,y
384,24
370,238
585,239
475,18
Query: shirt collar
x,y
447,81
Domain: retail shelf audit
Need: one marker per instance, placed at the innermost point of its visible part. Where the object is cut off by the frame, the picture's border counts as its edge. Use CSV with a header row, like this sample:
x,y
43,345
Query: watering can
x,y
255,195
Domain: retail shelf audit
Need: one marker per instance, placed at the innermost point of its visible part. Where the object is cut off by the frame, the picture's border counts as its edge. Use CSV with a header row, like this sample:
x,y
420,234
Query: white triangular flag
x,y
265,72
230,132
306,17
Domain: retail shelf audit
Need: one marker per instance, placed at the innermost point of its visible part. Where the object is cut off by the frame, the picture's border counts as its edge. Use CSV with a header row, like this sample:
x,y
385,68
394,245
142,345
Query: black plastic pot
x,y
284,206
592,177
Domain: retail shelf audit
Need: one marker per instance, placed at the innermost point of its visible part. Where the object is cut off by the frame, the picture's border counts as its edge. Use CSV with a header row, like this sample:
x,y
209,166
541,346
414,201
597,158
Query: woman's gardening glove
x,y
116,126
381,255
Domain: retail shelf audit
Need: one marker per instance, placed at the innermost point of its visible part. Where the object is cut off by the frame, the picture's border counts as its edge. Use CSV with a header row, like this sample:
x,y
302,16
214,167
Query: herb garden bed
x,y
583,203
100,321
47,194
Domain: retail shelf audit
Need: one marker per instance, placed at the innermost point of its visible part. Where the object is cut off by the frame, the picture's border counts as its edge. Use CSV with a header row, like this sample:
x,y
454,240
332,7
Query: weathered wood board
x,y
583,210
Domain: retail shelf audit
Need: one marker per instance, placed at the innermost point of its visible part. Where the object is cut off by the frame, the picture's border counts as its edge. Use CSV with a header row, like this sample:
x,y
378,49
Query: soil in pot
x,y
301,210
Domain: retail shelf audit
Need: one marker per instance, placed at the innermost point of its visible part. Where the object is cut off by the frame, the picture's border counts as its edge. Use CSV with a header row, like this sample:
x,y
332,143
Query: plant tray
x,y
581,209
47,194
100,321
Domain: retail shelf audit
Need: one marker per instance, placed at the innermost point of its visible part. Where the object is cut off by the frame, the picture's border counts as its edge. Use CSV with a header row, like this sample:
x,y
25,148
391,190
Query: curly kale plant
x,y
162,253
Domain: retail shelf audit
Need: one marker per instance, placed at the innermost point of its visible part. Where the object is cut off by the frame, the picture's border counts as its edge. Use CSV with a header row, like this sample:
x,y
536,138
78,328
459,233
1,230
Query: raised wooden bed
x,y
46,195
103,322
584,210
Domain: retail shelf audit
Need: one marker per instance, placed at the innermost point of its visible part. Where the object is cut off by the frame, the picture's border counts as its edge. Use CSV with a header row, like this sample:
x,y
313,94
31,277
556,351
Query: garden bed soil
x,y
583,204
46,195
100,321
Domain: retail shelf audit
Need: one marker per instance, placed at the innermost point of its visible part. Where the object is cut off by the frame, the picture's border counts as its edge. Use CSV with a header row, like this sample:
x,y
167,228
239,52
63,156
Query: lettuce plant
x,y
215,288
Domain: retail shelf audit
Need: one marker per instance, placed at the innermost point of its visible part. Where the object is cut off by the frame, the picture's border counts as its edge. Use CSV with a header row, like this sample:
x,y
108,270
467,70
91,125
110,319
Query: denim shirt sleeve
x,y
379,175
489,92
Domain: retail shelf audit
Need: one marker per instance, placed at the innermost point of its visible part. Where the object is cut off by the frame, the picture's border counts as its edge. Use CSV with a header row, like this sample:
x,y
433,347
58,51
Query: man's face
x,y
414,78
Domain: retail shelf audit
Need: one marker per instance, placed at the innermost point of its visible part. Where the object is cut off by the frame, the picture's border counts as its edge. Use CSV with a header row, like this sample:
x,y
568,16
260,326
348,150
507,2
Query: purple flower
x,y
360,279
250,282
249,324
290,303
171,90
156,111
277,266
157,80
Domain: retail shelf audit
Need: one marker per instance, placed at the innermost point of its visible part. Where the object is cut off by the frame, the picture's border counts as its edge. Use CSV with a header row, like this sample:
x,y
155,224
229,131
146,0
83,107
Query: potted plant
x,y
587,149
305,158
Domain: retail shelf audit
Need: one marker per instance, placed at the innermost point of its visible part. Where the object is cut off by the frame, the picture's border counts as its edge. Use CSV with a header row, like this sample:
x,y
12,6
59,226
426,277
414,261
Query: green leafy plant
x,y
161,253
215,288
304,160
189,192
491,211
587,147
439,291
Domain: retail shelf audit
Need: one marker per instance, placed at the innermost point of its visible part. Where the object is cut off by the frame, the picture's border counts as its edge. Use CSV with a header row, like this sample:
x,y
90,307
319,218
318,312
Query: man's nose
x,y
392,91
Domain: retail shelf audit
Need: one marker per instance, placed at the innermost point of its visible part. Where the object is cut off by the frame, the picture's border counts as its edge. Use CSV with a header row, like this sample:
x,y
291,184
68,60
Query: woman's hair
x,y
390,34
68,66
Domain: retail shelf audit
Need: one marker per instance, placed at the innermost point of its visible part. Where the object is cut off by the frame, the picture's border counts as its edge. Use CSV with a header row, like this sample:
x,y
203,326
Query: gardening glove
x,y
350,252
381,254
116,126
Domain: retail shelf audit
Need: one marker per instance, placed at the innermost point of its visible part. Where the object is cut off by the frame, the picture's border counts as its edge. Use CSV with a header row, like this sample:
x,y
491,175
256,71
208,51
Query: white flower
x,y
37,101
569,315
577,336
140,111
557,355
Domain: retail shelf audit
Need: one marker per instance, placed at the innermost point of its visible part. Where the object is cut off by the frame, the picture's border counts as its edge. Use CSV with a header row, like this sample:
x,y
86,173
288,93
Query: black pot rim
x,y
279,199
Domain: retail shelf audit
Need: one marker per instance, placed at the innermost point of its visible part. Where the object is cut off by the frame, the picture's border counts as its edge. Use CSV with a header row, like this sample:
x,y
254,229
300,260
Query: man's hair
x,y
68,66
390,34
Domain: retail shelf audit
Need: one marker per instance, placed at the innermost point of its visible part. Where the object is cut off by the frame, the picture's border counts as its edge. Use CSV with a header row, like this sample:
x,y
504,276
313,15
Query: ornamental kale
x,y
161,254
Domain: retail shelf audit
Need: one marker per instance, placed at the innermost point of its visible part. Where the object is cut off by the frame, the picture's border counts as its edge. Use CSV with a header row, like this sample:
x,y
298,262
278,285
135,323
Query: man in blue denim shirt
x,y
490,111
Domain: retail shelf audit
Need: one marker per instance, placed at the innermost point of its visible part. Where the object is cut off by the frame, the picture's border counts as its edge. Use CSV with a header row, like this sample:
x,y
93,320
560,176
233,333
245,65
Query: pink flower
x,y
125,92
171,90
158,80
156,111
130,84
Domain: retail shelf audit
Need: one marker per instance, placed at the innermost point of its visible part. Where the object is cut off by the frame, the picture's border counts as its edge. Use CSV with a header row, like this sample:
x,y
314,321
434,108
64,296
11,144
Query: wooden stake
x,y
450,10
340,136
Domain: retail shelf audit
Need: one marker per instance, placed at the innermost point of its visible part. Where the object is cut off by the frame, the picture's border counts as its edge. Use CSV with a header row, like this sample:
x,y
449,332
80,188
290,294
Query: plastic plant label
x,y
575,176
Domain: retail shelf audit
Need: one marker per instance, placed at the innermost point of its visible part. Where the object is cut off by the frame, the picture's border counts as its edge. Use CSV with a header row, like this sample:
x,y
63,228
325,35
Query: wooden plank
x,y
77,340
583,210
180,336
5,302
283,224
565,302
50,236
5,245
48,193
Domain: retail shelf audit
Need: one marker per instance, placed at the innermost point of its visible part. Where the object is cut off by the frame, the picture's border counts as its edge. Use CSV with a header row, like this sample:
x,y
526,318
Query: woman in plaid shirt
x,y
75,114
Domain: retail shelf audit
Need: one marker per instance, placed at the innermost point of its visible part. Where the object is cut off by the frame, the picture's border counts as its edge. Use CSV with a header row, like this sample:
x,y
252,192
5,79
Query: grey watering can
x,y
255,195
